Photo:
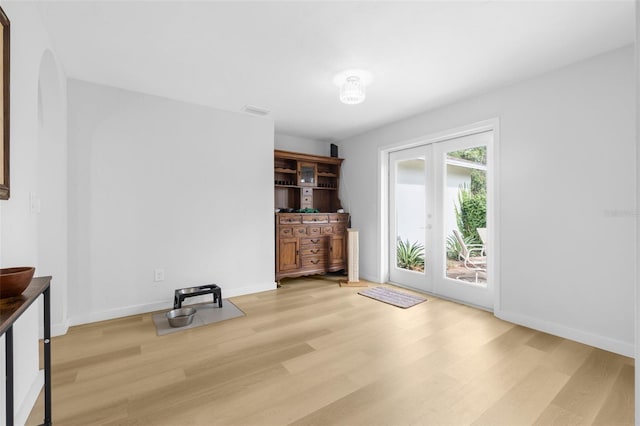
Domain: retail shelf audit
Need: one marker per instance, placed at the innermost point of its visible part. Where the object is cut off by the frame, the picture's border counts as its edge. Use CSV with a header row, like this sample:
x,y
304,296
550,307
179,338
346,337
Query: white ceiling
x,y
283,55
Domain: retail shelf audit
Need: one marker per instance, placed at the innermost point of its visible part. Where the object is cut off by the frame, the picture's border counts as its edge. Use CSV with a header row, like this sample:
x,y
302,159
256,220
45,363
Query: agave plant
x,y
410,255
453,246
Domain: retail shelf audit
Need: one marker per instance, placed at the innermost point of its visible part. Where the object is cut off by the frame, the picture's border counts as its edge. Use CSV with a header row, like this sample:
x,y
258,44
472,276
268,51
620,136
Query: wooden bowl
x,y
13,281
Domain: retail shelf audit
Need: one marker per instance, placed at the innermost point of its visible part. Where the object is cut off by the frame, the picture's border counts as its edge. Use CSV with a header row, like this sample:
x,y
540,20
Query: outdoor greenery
x,y
478,177
477,154
453,246
471,213
410,255
471,210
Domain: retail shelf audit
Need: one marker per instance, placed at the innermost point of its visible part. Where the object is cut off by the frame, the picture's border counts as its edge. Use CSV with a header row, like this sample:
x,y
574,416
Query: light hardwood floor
x,y
312,353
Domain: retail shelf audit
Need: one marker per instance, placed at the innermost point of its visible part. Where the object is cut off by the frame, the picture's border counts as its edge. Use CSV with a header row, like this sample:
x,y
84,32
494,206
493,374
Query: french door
x,y
439,238
410,217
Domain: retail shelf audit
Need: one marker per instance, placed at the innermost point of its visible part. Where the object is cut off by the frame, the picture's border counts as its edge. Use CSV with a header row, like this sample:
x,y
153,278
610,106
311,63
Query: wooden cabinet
x,y
338,250
289,258
310,243
303,181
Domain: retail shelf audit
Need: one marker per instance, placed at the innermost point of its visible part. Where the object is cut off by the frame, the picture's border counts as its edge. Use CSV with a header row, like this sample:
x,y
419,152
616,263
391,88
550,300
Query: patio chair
x,y
475,264
482,233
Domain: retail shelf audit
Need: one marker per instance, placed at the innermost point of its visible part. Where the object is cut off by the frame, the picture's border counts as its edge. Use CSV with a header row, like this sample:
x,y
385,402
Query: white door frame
x,y
493,201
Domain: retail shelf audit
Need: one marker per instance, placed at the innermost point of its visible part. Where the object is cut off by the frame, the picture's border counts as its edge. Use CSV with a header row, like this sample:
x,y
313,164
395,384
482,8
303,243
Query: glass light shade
x,y
352,91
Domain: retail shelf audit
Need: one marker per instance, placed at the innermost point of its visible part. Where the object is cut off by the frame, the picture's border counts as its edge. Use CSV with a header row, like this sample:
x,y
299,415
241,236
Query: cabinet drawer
x,y
315,219
286,232
313,261
306,202
312,241
339,229
327,229
290,219
313,230
313,251
338,218
299,231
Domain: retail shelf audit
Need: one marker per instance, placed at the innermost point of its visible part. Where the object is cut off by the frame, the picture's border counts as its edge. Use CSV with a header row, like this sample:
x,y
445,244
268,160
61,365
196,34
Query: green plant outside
x,y
453,246
477,154
471,213
410,255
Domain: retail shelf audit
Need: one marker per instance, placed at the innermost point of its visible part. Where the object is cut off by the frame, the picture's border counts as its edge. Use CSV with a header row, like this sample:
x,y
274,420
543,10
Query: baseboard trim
x,y
601,342
144,308
369,278
242,291
124,311
29,401
59,329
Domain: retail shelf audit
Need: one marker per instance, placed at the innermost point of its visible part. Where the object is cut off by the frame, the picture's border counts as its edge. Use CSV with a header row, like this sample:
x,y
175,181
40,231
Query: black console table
x,y
10,310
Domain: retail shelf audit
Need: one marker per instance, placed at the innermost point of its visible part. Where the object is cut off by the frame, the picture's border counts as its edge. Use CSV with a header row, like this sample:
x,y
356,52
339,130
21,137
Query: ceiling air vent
x,y
255,110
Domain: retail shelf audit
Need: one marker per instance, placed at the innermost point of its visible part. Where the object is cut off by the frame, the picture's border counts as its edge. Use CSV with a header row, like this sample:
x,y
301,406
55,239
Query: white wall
x,y
156,183
19,230
50,200
567,189
286,142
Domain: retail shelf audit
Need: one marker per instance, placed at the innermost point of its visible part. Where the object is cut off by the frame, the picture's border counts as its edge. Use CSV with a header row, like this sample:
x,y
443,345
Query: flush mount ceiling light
x,y
352,85
352,91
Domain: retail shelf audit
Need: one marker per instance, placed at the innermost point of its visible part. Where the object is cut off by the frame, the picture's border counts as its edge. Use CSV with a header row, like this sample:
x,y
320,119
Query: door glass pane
x,y
465,214
410,196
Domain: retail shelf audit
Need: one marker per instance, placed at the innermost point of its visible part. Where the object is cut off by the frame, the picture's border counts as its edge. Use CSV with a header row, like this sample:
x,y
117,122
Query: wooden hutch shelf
x,y
308,243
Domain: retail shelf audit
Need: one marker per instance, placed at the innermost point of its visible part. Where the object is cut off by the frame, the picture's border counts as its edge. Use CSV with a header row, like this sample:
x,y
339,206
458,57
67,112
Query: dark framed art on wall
x,y
4,105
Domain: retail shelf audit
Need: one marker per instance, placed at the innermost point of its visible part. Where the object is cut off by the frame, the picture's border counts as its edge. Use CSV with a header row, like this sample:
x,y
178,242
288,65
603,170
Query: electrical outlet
x,y
158,275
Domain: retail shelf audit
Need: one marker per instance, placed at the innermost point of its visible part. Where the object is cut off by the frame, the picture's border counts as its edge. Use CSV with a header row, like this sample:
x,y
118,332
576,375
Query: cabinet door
x,y
307,174
338,250
288,256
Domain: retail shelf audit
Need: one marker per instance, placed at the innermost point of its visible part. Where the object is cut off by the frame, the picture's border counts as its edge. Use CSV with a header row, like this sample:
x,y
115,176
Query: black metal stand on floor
x,y
10,310
183,293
